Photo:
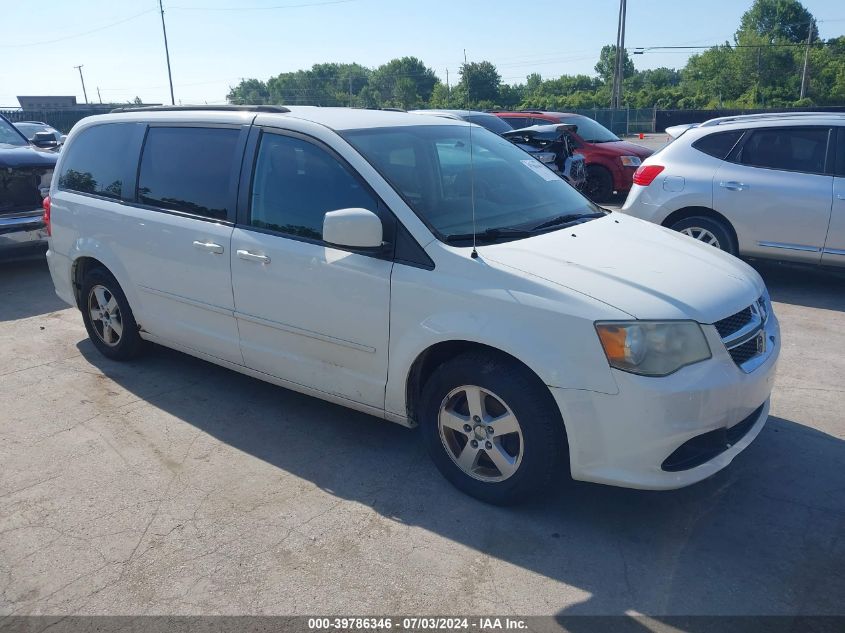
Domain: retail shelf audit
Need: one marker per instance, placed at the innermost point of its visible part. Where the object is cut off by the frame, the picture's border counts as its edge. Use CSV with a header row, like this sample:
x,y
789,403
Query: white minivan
x,y
423,270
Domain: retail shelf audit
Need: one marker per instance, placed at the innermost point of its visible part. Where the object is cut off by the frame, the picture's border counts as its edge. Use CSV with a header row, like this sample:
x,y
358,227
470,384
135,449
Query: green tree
x,y
606,65
777,21
249,91
481,82
403,83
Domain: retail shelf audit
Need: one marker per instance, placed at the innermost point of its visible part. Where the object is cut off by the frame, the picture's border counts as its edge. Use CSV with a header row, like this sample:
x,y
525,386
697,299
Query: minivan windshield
x,y
432,168
9,136
589,130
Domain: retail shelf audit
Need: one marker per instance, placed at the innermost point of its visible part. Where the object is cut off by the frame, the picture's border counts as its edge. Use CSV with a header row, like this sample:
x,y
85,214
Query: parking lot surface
x,y
171,486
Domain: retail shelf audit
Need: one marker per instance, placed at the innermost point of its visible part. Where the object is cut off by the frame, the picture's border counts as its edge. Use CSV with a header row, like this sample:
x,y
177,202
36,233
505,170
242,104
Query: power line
x,y
270,8
68,37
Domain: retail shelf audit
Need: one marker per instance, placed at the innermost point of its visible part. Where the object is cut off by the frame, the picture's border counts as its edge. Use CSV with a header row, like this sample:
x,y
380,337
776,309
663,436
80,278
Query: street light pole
x,y
167,53
85,94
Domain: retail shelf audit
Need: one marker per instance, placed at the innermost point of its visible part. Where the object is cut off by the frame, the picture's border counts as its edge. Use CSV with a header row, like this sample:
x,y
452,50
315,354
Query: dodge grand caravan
x,y
424,271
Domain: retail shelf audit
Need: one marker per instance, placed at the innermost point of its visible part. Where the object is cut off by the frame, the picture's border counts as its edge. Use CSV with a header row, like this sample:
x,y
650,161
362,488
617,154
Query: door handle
x,y
733,185
210,247
253,257
840,196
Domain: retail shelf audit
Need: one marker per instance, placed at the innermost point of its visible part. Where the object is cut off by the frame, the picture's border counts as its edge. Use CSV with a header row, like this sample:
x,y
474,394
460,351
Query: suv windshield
x,y
431,167
9,136
589,130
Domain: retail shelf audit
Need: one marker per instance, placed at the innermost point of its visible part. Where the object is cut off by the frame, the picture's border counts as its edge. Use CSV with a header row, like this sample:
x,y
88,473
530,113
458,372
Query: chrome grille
x,y
733,323
744,352
744,334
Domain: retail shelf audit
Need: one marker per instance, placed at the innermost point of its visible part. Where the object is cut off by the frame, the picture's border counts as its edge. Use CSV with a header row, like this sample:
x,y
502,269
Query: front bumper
x,y
22,229
634,437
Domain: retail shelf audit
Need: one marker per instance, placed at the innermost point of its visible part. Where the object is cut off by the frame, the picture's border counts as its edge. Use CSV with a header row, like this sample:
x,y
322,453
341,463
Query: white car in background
x,y
769,186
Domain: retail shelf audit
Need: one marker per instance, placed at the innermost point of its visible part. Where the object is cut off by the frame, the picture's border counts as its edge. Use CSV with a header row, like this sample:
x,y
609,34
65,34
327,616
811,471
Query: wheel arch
x,y
436,354
78,269
693,211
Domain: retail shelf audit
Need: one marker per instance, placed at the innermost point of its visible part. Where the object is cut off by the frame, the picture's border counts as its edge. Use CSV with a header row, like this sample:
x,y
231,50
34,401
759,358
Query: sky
x,y
215,43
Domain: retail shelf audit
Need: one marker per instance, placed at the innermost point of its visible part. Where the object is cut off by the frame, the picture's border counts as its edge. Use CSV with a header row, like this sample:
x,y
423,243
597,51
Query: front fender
x,y
550,332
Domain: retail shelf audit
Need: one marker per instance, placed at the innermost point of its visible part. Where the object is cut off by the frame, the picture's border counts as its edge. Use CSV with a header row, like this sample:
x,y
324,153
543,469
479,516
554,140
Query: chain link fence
x,y
623,121
62,120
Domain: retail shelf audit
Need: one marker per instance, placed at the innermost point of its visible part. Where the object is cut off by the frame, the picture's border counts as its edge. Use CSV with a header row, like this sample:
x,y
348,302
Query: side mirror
x,y
44,139
352,228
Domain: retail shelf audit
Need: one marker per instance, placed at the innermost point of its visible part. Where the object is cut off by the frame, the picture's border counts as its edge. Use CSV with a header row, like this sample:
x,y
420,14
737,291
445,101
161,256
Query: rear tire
x,y
707,230
516,443
108,318
599,185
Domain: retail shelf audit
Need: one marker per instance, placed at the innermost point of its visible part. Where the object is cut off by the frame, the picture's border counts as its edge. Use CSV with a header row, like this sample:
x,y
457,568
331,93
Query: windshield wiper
x,y
490,234
565,219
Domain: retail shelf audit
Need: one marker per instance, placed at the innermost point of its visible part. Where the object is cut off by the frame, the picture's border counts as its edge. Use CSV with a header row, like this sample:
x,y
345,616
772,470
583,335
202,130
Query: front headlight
x,y
652,348
631,161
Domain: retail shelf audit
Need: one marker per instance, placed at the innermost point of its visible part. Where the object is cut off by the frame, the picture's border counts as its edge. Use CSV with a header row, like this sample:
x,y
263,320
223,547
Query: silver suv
x,y
769,186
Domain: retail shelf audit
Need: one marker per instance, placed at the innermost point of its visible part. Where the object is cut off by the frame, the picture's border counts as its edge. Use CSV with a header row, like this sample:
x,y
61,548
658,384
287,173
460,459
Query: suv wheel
x,y
492,428
108,317
707,230
599,185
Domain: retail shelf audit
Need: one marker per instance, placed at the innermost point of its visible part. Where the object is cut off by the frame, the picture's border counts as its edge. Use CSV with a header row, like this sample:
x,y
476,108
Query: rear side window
x,y
189,169
297,183
718,145
789,149
95,162
517,122
840,153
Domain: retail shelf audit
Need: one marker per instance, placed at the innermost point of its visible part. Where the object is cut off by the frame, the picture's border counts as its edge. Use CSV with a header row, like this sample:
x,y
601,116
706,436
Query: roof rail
x,y
384,109
769,115
224,108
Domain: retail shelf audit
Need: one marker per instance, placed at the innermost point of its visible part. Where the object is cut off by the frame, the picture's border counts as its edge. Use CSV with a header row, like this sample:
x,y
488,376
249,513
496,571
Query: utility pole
x,y
166,53
622,54
85,94
619,67
806,60
447,82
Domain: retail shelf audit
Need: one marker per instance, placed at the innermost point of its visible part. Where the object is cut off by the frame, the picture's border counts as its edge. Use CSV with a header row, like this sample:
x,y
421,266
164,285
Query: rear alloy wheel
x,y
108,317
708,231
492,428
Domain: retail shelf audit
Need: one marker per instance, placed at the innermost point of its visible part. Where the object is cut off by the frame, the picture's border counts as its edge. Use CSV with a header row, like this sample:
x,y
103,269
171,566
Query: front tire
x,y
707,230
492,428
599,185
108,318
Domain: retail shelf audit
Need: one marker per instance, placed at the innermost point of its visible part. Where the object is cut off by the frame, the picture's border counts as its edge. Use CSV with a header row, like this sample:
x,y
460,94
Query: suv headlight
x,y
652,348
631,161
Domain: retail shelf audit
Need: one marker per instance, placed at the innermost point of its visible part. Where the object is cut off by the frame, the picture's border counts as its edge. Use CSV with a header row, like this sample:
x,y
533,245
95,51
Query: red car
x,y
611,162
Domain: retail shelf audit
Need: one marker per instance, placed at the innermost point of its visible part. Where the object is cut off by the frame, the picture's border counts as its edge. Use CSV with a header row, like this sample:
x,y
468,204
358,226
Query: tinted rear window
x,y
789,149
96,160
189,169
718,145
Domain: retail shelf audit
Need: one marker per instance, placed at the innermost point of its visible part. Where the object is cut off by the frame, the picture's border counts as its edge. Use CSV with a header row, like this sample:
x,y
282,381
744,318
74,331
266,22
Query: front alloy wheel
x,y
492,427
480,433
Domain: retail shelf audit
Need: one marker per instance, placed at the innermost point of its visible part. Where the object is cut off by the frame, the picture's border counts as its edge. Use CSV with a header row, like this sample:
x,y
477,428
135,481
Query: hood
x,y
26,156
623,148
640,268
